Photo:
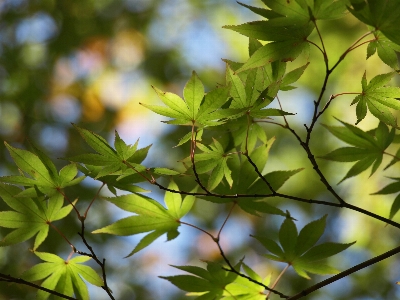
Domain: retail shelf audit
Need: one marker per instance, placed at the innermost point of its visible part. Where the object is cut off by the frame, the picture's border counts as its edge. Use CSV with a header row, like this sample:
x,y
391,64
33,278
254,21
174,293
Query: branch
x,y
232,269
345,273
8,278
93,255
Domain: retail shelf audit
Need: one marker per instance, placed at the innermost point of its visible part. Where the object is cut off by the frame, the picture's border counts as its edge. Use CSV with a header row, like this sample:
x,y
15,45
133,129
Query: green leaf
x,y
254,207
275,178
30,217
379,99
270,245
150,216
31,164
395,159
309,235
299,250
174,102
360,166
329,10
193,94
166,111
146,241
238,91
293,11
288,237
287,50
213,158
165,171
347,154
324,250
395,207
386,50
391,188
266,13
216,176
210,283
96,142
383,16
293,76
173,201
369,149
213,101
46,161
63,276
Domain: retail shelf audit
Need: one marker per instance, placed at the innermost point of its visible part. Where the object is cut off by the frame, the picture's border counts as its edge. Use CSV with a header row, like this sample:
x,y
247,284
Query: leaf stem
x,y
70,202
278,278
232,269
322,41
226,219
260,175
91,202
192,154
62,235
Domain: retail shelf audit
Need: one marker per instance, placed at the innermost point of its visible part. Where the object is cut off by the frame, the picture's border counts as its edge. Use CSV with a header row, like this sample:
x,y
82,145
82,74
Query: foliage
x,y
227,145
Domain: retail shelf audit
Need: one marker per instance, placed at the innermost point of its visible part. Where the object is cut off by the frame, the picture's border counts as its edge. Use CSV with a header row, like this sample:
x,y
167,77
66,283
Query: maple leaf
x,y
368,148
39,174
378,98
63,276
30,216
299,249
151,216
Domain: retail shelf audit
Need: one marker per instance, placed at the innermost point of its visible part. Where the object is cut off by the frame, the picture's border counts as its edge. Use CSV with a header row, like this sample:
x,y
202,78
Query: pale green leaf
x,y
174,102
193,94
172,200
96,142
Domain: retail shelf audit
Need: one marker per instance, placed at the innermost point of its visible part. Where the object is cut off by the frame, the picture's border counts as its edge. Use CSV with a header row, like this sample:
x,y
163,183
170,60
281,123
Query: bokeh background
x,y
91,62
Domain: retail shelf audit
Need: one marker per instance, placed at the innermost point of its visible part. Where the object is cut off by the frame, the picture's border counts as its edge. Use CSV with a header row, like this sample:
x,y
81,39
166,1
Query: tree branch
x,y
345,273
8,278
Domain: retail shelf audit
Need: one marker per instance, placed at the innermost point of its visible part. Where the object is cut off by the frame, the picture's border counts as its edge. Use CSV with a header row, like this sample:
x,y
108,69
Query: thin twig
x,y
278,278
226,219
232,269
8,278
70,202
94,198
345,273
192,154
96,259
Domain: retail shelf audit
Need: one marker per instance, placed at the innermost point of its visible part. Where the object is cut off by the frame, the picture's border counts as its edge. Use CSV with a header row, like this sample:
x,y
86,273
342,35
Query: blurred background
x,y
91,62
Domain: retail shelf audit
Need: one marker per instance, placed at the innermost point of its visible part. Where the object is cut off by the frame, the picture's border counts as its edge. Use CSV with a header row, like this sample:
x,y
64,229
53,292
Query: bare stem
x,y
232,269
94,198
70,202
345,273
278,278
62,235
226,219
192,154
10,279
93,255
198,228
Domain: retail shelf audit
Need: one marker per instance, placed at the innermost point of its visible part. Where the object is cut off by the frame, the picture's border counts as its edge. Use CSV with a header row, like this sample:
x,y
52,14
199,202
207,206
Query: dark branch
x,y
345,273
8,278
